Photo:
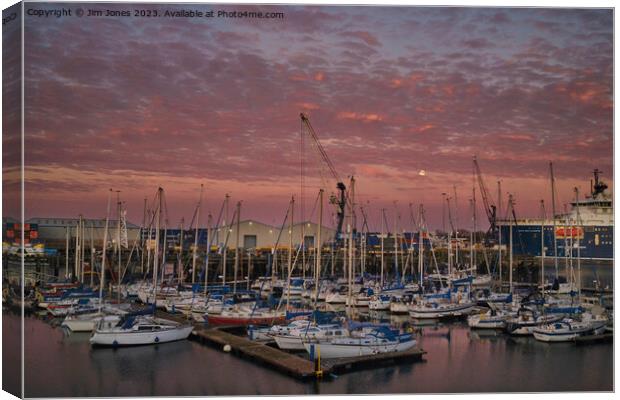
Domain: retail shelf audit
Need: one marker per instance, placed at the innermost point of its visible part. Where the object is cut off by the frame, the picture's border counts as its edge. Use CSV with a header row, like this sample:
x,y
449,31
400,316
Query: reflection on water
x,y
599,274
457,360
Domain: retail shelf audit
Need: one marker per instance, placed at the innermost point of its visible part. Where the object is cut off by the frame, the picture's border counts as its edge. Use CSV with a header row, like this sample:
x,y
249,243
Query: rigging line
x,y
321,166
228,230
302,172
191,224
316,202
275,245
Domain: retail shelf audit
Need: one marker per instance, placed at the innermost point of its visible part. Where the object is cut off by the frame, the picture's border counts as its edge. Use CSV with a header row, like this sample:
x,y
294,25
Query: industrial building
x,y
52,233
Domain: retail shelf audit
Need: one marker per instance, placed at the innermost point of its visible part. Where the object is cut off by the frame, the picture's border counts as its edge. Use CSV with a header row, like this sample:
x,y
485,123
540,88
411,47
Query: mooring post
x,y
318,372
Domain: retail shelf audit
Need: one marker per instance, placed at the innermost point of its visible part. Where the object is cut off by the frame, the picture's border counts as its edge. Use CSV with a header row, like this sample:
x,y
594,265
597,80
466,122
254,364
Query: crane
x,y
489,206
341,199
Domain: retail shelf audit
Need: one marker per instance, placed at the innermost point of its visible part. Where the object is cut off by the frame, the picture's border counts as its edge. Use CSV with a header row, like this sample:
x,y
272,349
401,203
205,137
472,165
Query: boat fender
x,y
227,348
156,339
115,343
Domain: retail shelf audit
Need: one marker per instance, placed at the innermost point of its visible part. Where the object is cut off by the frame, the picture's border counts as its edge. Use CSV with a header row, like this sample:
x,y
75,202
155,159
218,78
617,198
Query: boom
x,y
341,200
489,207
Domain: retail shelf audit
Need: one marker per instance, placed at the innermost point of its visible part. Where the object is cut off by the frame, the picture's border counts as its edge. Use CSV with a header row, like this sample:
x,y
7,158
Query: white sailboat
x,y
378,340
141,329
569,329
491,319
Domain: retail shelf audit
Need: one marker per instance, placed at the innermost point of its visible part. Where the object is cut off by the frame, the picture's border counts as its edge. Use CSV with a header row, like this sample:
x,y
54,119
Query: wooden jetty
x,y
289,363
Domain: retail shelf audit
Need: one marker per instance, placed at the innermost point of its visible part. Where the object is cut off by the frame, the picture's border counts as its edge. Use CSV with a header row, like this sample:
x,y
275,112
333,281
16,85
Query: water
x,y
458,360
599,274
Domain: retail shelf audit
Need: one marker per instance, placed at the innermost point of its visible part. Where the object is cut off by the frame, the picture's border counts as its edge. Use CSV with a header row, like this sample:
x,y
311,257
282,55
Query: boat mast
x,y
382,245
421,246
105,246
542,246
456,230
363,243
142,227
181,238
196,235
555,242
471,239
225,250
118,242
395,239
567,254
82,245
302,200
290,253
209,243
510,208
449,237
350,235
156,250
413,227
499,230
238,228
579,229
92,251
149,241
473,196
317,268
76,261
68,233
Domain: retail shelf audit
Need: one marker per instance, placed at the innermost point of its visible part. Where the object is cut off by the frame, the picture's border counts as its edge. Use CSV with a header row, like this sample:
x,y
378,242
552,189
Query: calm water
x,y
458,360
592,274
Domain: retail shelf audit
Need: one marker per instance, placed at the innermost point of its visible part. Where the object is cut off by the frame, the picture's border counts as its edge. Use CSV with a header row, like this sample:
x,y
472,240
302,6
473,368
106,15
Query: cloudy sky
x,y
137,103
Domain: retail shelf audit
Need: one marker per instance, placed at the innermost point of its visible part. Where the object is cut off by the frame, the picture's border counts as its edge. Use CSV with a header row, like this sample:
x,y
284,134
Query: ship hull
x,y
595,242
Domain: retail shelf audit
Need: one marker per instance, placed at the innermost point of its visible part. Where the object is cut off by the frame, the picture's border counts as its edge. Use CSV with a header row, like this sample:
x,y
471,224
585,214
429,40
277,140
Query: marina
x,y
306,199
357,300
313,308
475,361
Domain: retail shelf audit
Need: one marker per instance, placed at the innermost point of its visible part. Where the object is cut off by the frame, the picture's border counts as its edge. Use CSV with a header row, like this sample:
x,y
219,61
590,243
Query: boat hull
x,y
115,339
289,342
567,335
427,313
80,325
329,350
225,320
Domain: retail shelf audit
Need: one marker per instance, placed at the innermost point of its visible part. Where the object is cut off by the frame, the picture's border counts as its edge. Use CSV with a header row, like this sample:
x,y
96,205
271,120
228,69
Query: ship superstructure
x,y
588,226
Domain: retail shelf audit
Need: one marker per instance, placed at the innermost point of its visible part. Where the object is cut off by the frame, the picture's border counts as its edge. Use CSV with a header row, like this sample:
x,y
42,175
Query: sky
x,y
401,98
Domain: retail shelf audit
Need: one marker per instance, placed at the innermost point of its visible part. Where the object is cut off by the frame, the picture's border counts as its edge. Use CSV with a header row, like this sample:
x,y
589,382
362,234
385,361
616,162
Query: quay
x,y
285,362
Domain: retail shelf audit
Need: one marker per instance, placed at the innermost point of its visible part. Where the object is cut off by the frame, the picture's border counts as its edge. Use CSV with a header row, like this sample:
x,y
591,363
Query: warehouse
x,y
52,232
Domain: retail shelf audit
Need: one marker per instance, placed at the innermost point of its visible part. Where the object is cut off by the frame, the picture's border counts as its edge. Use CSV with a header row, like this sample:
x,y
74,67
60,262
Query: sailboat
x,y
141,328
450,304
588,323
84,320
132,330
492,319
373,340
569,329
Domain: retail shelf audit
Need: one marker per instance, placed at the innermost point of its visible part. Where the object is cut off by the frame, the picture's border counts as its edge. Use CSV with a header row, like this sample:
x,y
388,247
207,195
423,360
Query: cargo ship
x,y
587,229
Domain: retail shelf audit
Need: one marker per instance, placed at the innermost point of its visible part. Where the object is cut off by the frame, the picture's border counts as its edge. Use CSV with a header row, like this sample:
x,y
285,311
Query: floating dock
x,y
289,363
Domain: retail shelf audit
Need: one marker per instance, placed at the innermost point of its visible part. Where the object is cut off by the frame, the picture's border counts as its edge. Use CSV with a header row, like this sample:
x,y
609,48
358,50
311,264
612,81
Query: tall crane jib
x,y
489,206
341,200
